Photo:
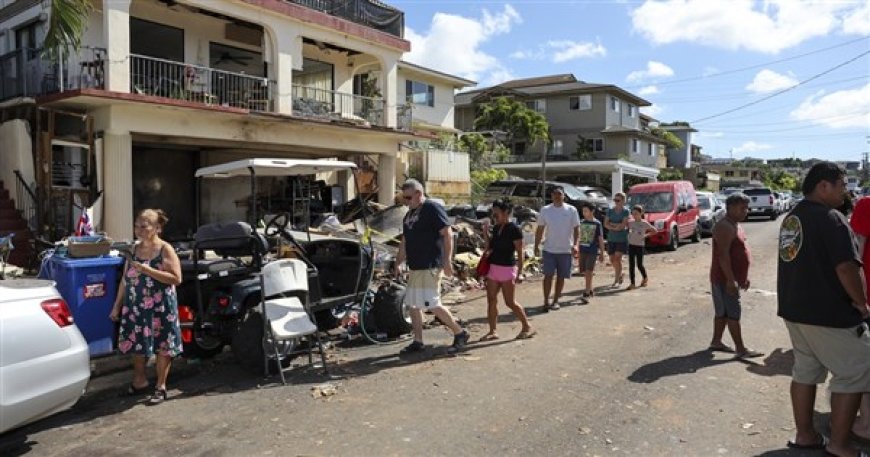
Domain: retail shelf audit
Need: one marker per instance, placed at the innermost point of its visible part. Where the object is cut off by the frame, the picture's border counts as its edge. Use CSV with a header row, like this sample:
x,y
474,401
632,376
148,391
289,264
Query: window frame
x,y
614,104
410,93
635,146
631,110
580,106
539,105
651,149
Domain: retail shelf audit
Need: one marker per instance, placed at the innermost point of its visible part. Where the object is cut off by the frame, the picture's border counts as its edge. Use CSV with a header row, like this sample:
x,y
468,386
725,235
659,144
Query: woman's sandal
x,y
526,334
133,391
158,397
488,337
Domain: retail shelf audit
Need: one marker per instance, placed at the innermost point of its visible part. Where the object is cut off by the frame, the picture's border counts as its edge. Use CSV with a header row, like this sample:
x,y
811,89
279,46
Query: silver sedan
x,y
44,362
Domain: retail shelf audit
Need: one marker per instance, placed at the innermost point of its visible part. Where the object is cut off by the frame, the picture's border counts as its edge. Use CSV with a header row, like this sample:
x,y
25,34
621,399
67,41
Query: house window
x,y
420,93
729,173
631,110
520,148
539,105
595,145
744,174
580,103
651,149
25,38
635,146
614,104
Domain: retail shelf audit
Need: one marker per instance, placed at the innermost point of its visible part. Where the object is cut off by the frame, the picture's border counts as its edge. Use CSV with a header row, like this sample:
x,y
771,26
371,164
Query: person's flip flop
x,y
526,335
488,337
133,391
749,354
722,348
823,442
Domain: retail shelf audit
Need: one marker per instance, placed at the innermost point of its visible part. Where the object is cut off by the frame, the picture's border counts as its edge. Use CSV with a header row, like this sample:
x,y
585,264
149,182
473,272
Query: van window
x,y
653,202
526,190
498,189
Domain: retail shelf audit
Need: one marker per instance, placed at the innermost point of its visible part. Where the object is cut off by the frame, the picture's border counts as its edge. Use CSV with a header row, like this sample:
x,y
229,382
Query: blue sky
x,y
690,58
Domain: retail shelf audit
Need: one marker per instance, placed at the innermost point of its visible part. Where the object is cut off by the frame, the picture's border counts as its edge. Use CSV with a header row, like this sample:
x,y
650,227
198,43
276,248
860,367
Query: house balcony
x,y
331,105
370,13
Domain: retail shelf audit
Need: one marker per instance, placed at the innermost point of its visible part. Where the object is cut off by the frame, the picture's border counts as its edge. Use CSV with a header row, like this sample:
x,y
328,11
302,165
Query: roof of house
x,y
545,85
455,81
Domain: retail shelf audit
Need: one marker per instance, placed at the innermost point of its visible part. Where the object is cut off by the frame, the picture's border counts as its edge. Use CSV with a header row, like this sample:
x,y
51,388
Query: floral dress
x,y
149,316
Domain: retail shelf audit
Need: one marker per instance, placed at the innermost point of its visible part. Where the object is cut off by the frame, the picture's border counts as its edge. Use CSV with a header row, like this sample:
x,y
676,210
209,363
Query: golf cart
x,y
220,300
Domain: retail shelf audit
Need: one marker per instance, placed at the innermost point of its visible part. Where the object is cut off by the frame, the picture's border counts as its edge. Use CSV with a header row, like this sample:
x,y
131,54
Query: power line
x,y
751,67
737,95
780,92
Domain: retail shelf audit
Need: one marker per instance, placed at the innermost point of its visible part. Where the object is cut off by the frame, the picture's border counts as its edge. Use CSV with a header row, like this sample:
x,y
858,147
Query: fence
x,y
26,202
182,81
26,73
317,103
371,13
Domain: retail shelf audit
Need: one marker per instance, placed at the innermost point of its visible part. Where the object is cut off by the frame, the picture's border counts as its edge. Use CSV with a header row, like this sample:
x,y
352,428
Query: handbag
x,y
483,265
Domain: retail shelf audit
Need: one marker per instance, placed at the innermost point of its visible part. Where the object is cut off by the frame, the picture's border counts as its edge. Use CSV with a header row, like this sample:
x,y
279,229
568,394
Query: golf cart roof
x,y
273,167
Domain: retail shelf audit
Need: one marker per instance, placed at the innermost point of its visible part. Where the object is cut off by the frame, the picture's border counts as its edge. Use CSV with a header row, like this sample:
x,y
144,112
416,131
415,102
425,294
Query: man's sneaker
x,y
412,348
555,306
459,342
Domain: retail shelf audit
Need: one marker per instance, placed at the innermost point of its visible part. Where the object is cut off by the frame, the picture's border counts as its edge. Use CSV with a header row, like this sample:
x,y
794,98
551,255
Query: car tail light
x,y
58,311
771,199
185,314
223,301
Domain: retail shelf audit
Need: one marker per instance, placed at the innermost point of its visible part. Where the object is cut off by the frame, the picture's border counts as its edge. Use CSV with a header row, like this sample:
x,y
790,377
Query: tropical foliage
x,y
513,118
66,25
672,141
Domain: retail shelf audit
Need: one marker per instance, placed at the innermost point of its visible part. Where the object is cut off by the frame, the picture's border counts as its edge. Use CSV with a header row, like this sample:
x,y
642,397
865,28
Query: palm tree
x,y
68,20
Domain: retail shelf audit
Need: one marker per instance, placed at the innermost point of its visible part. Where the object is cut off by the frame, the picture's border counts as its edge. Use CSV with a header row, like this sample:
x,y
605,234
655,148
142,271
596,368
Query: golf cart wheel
x,y
203,346
249,346
389,311
675,240
696,235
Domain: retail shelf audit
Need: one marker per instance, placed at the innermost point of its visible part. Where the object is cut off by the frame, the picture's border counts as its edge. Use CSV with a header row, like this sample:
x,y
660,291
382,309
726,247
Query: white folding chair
x,y
286,310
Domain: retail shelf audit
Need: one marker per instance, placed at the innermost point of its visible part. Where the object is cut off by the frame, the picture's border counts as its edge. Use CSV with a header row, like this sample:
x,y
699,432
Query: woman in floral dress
x,y
147,306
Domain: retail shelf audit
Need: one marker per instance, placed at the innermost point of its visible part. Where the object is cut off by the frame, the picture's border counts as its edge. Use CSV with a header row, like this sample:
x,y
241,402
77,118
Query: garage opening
x,y
163,178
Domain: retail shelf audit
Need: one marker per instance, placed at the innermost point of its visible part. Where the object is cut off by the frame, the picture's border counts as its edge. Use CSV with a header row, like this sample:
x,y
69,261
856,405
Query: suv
x,y
527,193
762,202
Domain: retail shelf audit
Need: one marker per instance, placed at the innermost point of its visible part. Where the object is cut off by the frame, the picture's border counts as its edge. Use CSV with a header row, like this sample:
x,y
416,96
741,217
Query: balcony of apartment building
x,y
190,56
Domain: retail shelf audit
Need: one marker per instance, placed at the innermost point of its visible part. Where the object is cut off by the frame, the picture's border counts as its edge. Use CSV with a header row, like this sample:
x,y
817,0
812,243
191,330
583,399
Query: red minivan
x,y
672,207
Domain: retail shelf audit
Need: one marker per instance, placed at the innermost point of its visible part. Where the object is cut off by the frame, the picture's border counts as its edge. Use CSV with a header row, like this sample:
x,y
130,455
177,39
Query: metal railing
x,y
26,73
405,117
194,83
314,103
370,13
26,202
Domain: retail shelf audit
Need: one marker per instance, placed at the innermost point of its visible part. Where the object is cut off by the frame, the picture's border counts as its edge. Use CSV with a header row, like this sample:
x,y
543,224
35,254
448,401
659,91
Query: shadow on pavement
x,y
777,363
672,366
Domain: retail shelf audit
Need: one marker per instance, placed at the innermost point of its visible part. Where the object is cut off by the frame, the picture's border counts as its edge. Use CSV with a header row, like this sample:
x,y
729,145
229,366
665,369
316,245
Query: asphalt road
x,y
627,374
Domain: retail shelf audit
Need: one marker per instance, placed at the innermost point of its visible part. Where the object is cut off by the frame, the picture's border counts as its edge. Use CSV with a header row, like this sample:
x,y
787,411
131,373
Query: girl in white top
x,y
638,231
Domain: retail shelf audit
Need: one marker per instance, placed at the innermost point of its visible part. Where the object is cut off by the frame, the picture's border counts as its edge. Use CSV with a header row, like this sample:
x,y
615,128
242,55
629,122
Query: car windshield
x,y
653,202
574,194
704,202
497,190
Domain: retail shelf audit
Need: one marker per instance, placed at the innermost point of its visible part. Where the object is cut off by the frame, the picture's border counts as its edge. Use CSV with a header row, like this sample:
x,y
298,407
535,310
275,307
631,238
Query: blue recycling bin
x,y
89,286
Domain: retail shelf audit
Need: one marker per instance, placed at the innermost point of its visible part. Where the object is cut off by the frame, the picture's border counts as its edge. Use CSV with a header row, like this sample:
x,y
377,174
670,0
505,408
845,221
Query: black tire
x,y
675,240
696,235
249,345
774,216
388,310
203,346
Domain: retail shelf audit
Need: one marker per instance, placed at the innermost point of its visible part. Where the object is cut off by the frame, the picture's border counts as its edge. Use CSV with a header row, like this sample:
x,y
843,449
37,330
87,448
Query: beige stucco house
x,y
164,87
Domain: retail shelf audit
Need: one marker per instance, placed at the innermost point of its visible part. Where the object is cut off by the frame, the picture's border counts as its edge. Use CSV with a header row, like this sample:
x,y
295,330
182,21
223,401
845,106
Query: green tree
x,y
513,118
482,151
670,174
480,179
671,140
67,22
584,149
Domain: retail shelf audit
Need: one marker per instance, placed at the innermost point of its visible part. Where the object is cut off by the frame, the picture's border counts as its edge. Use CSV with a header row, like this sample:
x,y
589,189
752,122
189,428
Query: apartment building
x,y
162,87
603,118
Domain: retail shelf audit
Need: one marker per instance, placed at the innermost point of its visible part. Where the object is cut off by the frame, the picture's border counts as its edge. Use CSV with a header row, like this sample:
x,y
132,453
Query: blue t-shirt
x,y
590,232
421,227
616,217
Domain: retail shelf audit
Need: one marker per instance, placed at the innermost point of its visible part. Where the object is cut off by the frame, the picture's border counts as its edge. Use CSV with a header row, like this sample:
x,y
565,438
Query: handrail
x,y
29,207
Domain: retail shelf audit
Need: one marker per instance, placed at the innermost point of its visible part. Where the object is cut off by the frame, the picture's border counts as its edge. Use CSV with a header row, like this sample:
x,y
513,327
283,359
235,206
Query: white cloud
x,y
858,21
768,27
453,44
652,111
766,81
560,51
710,71
654,70
841,109
751,146
565,50
648,90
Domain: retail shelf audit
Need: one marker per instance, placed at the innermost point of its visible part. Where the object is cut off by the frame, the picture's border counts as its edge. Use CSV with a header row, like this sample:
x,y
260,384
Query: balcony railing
x,y
314,103
182,81
370,13
405,117
26,73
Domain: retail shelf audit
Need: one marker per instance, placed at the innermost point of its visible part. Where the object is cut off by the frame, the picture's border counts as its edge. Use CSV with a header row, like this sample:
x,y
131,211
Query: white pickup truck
x,y
762,202
44,361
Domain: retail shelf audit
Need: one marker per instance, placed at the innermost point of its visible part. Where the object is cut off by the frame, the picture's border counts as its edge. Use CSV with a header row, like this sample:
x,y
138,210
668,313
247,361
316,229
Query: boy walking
x,y
591,246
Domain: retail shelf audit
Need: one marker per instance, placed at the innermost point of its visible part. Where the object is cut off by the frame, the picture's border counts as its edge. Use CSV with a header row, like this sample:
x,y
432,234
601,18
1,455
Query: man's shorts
x,y
725,305
818,350
587,261
424,289
617,246
557,264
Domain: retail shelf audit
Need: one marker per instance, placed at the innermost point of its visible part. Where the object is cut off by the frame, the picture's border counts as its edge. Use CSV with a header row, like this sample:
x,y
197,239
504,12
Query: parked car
x,y
596,195
710,211
44,363
672,207
526,193
762,202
